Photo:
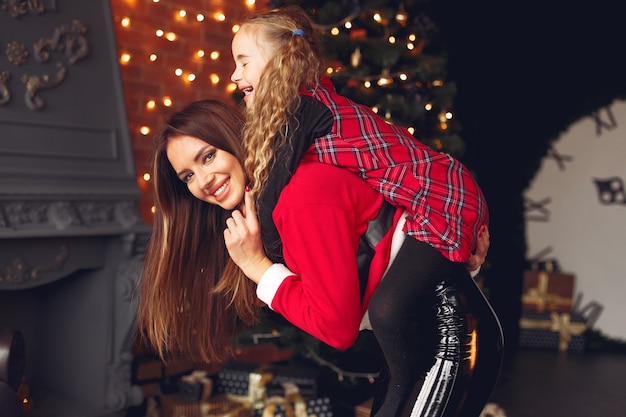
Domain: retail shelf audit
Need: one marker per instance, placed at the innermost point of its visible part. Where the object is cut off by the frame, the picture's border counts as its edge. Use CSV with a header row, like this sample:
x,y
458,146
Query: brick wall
x,y
146,80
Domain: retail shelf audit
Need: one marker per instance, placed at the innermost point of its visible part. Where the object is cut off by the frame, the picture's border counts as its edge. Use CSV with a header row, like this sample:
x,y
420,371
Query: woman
x,y
192,301
192,298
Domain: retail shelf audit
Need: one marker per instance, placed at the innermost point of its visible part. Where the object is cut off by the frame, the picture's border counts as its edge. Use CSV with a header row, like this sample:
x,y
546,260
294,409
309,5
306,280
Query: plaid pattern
x,y
445,205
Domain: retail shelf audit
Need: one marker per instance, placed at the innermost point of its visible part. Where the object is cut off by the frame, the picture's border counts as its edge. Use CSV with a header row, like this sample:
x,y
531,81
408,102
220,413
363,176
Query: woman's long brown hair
x,y
193,299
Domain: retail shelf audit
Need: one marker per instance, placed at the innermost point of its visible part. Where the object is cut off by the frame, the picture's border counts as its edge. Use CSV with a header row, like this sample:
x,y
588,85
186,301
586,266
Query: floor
x,y
546,383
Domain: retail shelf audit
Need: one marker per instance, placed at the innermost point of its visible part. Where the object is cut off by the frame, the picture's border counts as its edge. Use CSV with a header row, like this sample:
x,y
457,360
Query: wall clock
x,y
575,212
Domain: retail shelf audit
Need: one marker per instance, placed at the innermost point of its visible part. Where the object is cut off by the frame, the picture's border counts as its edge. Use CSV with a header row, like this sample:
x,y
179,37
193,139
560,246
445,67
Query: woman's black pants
x,y
440,338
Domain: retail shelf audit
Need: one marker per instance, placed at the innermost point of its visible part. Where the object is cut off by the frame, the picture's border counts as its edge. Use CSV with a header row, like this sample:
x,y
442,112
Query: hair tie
x,y
298,32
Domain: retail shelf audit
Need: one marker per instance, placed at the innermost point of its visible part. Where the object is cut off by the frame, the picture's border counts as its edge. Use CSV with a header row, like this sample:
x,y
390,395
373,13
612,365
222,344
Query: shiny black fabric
x,y
441,340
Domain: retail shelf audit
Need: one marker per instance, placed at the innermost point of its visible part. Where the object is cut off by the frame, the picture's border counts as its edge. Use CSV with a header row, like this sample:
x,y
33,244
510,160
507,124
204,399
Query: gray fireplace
x,y
71,237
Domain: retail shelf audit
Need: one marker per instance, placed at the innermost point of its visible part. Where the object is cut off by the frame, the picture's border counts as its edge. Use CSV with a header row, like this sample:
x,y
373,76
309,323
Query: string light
x,y
184,21
125,58
190,71
341,374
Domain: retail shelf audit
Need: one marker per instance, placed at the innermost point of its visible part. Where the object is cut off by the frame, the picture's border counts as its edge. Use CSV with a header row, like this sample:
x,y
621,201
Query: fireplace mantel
x,y
71,237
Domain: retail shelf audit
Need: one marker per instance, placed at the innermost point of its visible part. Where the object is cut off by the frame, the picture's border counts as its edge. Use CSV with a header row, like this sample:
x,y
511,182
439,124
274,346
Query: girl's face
x,y
251,57
211,174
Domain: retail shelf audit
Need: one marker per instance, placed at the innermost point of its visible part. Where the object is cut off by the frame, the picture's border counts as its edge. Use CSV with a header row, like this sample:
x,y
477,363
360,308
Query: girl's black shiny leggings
x,y
440,338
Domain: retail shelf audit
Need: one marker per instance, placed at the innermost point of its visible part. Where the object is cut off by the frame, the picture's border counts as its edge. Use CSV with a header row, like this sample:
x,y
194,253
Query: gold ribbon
x,y
541,298
224,406
293,403
200,377
298,409
558,323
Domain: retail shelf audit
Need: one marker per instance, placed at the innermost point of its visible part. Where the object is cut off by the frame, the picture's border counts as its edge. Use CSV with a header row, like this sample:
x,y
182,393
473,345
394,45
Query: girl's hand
x,y
243,241
482,247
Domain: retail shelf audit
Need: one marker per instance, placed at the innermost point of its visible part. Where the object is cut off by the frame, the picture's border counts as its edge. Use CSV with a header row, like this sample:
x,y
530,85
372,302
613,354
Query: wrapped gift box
x,y
304,378
545,291
258,381
281,407
559,331
172,405
364,409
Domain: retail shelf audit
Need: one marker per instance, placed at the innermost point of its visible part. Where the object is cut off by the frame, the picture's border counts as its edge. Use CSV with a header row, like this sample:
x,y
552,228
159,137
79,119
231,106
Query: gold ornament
x,y
402,16
355,58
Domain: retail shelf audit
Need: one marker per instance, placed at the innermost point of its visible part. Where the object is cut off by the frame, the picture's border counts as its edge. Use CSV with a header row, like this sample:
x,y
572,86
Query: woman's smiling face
x,y
211,174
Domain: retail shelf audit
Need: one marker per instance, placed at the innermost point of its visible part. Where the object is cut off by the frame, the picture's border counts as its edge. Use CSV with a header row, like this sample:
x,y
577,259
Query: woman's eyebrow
x,y
197,157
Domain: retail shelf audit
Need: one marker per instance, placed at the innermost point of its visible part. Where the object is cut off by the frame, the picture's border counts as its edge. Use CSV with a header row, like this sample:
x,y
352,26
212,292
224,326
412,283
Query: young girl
x,y
440,338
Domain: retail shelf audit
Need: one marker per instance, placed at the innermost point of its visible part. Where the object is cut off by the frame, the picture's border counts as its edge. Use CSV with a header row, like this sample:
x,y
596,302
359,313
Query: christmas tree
x,y
389,56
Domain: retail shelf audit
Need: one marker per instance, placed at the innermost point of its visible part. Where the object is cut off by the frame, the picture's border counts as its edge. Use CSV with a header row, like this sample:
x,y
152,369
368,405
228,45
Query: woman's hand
x,y
243,241
482,247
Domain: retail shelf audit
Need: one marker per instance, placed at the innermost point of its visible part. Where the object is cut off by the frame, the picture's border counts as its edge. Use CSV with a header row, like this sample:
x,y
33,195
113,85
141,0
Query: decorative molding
x,y
68,39
5,94
17,53
20,272
62,215
120,393
34,83
20,8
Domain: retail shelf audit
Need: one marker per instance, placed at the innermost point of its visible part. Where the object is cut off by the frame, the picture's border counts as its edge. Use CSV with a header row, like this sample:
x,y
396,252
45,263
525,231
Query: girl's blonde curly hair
x,y
296,62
